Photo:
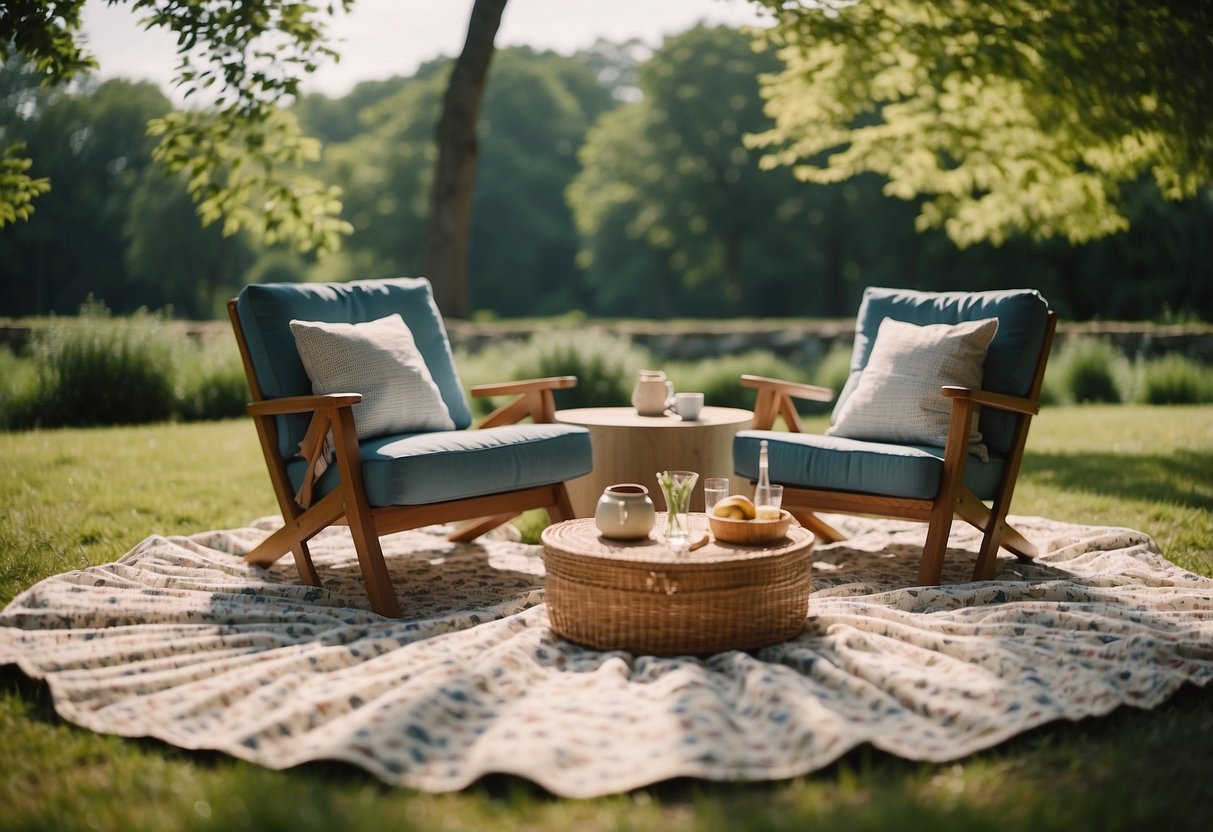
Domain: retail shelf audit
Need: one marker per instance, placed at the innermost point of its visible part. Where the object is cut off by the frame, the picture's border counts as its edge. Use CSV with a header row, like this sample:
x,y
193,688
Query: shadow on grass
x,y
1178,479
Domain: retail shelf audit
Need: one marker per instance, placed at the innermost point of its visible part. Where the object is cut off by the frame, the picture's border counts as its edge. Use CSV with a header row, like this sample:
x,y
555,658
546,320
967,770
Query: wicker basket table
x,y
642,597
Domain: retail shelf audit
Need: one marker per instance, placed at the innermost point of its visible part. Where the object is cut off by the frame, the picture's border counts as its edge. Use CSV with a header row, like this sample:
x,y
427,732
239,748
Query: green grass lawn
x,y
72,498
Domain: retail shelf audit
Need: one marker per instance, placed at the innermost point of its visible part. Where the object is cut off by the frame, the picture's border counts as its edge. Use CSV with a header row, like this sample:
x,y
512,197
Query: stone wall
x,y
798,340
793,339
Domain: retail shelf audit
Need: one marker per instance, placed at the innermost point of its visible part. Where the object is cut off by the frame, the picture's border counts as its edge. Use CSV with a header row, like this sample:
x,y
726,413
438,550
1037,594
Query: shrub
x,y
1174,379
210,382
834,369
1088,370
18,377
96,370
720,378
605,365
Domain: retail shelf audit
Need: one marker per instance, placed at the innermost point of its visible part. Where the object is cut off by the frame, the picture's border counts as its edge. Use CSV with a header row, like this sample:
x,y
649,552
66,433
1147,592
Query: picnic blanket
x,y
181,641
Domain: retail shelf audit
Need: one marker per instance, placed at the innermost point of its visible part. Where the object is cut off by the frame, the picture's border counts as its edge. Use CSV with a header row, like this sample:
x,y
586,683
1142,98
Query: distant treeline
x,y
613,182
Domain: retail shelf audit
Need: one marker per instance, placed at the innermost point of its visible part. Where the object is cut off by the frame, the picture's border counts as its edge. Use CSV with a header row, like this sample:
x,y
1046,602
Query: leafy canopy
x,y
1005,117
243,157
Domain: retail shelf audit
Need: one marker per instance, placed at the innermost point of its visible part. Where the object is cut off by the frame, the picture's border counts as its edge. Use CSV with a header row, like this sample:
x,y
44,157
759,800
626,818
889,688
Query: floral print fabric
x,y
182,641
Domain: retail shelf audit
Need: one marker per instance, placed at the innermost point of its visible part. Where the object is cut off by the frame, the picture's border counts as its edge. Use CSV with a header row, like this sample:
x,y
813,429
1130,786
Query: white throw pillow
x,y
380,360
897,397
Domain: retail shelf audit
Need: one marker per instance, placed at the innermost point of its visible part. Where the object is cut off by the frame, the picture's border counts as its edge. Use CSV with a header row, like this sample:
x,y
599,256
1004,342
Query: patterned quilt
x,y
181,641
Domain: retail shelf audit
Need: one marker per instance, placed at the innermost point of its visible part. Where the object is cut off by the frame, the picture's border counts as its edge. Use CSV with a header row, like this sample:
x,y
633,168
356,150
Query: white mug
x,y
687,405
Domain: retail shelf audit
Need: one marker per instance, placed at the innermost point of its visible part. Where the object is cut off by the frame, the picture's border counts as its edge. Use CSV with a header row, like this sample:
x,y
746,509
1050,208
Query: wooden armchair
x,y
930,481
396,481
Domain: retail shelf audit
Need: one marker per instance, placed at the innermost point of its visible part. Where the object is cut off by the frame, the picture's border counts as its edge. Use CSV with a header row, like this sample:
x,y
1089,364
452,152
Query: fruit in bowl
x,y
737,507
737,520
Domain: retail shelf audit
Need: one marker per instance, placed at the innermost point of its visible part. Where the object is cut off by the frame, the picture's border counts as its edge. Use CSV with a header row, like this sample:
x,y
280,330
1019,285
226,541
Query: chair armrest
x,y
303,404
1001,401
774,399
525,386
534,398
789,388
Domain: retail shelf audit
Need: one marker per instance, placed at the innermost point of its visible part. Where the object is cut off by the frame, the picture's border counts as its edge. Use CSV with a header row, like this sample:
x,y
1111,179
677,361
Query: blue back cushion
x,y
1010,362
266,310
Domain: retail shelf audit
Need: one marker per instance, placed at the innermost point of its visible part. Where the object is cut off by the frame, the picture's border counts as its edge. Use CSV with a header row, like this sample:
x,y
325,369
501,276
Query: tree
x,y
242,156
1006,117
444,254
115,226
670,173
537,107
95,146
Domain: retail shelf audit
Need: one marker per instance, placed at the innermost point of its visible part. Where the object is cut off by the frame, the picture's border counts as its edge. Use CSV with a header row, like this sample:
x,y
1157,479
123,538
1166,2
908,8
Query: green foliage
x,y
719,378
242,156
95,370
536,110
1173,379
605,365
385,171
100,370
47,38
133,236
675,215
834,369
1002,119
209,380
243,159
671,223
267,195
17,188
18,387
1087,370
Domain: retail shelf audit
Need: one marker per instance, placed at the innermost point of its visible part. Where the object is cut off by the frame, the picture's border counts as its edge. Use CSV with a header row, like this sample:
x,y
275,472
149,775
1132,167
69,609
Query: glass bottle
x,y
762,491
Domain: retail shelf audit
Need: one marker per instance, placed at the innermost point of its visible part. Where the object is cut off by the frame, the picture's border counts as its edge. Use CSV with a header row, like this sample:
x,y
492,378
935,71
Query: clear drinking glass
x,y
676,487
714,490
776,498
769,509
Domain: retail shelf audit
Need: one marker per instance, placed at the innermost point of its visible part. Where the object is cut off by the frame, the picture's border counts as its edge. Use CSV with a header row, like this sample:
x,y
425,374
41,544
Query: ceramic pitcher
x,y
625,512
652,393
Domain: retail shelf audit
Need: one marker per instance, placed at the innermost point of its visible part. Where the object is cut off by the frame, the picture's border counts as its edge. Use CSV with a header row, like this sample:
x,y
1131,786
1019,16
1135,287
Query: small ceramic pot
x,y
625,512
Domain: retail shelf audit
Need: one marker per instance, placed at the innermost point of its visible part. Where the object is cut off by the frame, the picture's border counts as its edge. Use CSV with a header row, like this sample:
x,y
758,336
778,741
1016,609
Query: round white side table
x,y
633,448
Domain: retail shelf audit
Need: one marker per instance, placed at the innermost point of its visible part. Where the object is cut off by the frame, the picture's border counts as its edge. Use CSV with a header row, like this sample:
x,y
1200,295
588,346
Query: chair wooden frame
x,y
775,399
347,503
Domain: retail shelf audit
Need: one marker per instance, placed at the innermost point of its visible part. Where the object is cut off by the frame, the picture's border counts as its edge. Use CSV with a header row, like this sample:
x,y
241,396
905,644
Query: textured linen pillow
x,y
897,397
380,360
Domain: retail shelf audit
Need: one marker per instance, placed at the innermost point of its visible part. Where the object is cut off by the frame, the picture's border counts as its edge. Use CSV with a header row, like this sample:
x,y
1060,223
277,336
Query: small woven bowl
x,y
750,532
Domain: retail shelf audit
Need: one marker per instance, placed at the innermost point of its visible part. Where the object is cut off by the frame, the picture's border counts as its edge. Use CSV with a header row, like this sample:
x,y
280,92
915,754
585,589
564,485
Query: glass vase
x,y
676,487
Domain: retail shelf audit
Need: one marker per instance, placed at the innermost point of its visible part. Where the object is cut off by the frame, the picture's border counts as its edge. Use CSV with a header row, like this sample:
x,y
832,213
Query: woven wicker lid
x,y
581,538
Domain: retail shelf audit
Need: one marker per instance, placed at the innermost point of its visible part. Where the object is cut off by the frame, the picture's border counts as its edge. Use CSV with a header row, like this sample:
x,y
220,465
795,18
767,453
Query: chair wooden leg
x,y
930,570
378,582
304,565
474,528
562,509
1017,544
998,533
297,530
823,531
352,496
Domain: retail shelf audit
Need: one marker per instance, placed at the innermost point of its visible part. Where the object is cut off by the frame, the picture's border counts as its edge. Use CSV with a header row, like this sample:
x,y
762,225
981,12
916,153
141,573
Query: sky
x,y
382,38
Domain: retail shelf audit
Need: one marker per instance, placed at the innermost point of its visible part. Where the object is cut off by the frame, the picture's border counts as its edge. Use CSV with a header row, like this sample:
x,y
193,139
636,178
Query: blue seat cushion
x,y
1011,359
832,463
266,310
421,468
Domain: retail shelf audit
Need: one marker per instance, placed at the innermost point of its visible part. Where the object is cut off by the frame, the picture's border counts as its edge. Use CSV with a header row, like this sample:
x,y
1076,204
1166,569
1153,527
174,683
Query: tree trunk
x,y
444,247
